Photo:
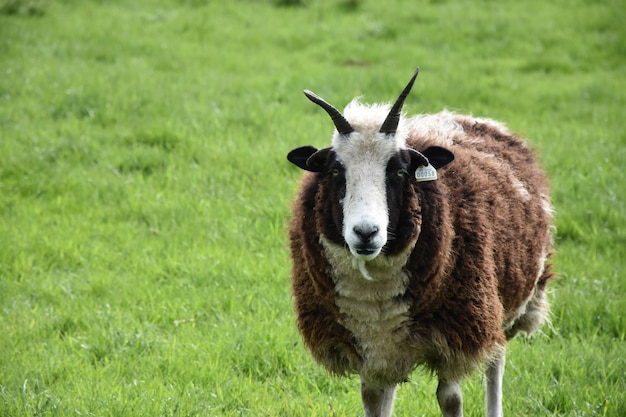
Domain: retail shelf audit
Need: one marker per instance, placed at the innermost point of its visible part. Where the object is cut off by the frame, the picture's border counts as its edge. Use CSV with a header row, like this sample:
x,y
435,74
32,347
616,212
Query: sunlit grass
x,y
144,193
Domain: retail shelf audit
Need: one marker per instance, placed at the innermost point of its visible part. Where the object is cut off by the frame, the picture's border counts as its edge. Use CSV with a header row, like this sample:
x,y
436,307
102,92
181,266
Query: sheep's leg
x,y
450,398
377,401
493,387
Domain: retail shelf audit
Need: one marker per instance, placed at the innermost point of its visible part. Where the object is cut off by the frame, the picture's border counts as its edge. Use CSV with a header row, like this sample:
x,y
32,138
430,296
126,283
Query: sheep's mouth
x,y
365,253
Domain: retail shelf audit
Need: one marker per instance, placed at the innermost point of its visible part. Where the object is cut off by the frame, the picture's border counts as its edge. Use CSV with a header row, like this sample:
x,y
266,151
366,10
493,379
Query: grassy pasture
x,y
144,193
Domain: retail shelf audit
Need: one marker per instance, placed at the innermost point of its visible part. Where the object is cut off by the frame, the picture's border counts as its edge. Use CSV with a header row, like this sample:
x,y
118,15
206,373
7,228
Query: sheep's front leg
x,y
493,386
377,401
450,398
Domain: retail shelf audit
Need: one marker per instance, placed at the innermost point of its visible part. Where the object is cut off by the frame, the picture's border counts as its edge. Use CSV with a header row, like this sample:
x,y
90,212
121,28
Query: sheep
x,y
418,241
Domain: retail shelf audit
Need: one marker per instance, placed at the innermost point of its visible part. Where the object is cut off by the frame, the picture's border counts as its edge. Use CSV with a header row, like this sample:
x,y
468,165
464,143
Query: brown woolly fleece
x,y
476,242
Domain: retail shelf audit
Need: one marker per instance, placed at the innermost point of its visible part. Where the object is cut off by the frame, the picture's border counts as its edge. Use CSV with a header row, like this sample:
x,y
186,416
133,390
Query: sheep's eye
x,y
400,173
335,172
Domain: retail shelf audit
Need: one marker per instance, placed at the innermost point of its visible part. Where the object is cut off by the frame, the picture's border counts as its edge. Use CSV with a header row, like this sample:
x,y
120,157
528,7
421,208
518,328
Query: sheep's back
x,y
498,200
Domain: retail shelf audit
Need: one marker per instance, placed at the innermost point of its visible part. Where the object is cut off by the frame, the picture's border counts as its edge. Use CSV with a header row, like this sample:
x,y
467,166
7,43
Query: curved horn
x,y
340,122
390,125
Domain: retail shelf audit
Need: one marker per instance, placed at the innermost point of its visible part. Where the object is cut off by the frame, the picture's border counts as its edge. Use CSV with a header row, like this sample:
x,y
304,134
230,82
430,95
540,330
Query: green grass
x,y
144,193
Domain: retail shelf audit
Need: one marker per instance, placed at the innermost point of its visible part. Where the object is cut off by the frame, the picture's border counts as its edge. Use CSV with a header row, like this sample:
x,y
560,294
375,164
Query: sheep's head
x,y
368,168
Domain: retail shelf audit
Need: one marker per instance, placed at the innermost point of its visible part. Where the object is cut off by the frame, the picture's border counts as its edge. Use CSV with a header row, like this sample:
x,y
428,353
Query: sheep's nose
x,y
365,232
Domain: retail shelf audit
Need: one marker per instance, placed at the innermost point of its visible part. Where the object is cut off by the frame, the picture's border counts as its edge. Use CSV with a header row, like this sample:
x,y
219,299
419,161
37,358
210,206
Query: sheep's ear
x,y
417,159
309,158
438,157
425,164
299,156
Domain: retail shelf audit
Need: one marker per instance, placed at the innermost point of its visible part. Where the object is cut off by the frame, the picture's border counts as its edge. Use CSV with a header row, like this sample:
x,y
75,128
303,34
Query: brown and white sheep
x,y
396,265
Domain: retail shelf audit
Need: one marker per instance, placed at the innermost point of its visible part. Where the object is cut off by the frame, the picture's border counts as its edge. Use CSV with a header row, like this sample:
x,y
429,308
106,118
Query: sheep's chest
x,y
380,328
373,310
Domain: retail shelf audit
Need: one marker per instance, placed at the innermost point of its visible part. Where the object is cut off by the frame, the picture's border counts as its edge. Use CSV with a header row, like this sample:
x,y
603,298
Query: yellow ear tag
x,y
425,173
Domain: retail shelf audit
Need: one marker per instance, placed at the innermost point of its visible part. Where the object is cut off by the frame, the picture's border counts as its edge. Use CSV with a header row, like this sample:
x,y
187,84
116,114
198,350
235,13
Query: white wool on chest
x,y
372,309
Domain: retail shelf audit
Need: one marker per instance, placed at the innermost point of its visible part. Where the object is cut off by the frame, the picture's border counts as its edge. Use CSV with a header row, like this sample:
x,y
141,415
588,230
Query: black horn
x,y
340,122
390,125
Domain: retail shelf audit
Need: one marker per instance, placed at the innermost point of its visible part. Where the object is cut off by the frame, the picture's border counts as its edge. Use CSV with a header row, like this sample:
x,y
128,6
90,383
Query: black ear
x,y
317,161
438,157
309,158
299,156
417,159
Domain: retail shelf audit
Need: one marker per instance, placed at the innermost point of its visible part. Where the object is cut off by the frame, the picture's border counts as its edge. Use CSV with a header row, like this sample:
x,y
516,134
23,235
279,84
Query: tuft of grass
x,y
290,3
23,7
144,193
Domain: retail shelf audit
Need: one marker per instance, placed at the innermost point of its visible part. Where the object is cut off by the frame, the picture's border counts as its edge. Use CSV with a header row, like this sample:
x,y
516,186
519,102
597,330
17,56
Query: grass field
x,y
144,193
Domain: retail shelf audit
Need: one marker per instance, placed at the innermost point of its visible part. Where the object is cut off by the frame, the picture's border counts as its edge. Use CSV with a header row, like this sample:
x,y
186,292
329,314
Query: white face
x,y
365,212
